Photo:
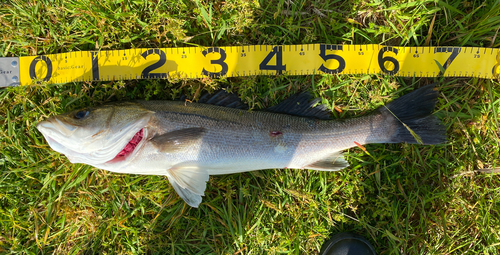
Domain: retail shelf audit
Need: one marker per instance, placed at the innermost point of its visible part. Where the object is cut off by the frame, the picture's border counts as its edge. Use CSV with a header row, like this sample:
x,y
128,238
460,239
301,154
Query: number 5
x,y
322,53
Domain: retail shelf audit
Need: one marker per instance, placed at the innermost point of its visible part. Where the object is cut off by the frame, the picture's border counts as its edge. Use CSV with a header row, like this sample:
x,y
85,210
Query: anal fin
x,y
189,181
333,162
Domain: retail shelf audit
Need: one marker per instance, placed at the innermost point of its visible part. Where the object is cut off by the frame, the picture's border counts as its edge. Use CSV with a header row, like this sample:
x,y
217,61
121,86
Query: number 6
x,y
382,60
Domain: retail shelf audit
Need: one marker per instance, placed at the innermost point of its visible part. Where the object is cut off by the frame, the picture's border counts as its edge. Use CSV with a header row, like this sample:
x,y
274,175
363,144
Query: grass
x,y
406,199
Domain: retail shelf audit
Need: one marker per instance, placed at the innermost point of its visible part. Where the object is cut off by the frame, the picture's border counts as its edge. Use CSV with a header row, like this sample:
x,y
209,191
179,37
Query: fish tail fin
x,y
413,113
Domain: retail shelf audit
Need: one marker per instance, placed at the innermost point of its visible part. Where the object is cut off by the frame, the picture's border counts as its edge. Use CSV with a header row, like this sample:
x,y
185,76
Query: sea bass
x,y
188,142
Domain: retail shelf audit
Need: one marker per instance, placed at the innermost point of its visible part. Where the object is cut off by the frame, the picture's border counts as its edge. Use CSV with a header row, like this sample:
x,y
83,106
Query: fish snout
x,y
54,125
57,134
44,126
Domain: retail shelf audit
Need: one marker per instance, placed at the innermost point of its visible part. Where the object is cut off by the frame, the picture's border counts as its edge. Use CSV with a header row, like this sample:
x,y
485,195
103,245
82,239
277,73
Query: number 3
x,y
219,61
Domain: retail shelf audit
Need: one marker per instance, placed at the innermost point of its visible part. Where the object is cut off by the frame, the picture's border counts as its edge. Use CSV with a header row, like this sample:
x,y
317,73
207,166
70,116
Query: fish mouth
x,y
129,148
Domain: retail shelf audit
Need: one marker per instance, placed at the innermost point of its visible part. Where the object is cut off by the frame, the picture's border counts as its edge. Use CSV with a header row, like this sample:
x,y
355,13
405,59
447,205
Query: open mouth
x,y
129,148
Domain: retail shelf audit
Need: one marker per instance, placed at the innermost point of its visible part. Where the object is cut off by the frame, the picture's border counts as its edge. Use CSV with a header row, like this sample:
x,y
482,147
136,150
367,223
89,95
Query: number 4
x,y
279,67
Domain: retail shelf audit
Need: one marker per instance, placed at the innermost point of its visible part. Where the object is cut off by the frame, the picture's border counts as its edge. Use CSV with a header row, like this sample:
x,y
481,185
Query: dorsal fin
x,y
222,98
302,105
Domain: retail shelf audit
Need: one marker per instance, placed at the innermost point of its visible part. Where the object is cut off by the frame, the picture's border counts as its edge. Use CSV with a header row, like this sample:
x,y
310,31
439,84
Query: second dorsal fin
x,y
302,105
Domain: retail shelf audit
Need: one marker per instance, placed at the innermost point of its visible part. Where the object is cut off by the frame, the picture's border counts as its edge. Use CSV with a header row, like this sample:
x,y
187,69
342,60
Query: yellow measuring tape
x,y
198,62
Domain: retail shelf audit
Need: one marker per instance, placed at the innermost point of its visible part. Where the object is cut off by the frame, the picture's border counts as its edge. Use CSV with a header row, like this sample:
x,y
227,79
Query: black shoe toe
x,y
347,244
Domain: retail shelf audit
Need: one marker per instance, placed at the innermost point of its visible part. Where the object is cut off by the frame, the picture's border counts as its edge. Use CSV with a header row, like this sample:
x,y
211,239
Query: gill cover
x,y
94,135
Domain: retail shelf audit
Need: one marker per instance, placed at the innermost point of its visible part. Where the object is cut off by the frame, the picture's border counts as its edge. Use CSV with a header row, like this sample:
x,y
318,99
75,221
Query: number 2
x,y
163,58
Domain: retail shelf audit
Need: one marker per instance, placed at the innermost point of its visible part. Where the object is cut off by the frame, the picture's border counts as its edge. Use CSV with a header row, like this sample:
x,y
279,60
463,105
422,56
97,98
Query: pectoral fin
x,y
333,162
178,140
189,181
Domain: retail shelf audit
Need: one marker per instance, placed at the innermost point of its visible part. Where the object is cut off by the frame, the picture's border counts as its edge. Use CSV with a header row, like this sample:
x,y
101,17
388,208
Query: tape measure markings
x,y
231,61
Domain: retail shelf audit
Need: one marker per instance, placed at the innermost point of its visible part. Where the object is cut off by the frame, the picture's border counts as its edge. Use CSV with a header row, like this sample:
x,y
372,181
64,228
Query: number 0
x,y
49,67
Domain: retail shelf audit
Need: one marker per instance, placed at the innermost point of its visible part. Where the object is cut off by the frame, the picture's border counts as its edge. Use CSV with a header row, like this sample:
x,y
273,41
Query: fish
x,y
188,142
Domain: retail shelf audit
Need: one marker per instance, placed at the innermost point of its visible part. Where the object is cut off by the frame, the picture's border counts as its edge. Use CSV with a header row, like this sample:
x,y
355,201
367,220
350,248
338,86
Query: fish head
x,y
95,135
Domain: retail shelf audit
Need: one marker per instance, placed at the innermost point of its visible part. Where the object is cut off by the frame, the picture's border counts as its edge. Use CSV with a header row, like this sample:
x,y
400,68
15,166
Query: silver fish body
x,y
188,142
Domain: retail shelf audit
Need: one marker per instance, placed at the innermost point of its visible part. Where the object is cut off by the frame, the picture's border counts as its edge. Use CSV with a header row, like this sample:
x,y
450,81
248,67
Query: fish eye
x,y
81,114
